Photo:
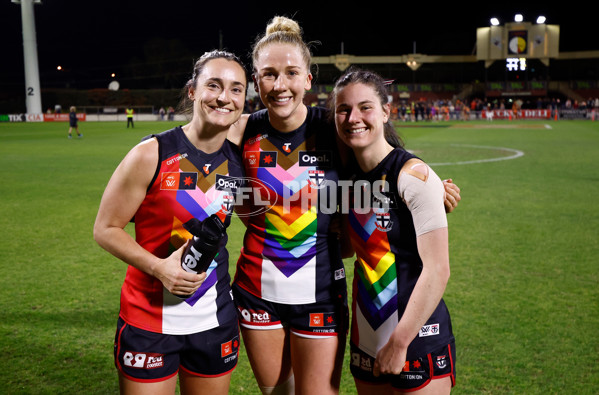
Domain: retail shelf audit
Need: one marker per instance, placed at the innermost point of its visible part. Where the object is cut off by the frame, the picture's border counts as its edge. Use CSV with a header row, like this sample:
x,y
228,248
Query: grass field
x,y
523,293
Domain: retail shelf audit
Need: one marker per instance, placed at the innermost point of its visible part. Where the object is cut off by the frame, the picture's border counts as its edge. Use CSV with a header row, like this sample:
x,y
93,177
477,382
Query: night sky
x,y
91,39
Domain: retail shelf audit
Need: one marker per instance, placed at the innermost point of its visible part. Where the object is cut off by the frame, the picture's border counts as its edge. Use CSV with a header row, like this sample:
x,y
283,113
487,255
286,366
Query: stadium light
x,y
494,21
518,18
59,67
413,64
541,19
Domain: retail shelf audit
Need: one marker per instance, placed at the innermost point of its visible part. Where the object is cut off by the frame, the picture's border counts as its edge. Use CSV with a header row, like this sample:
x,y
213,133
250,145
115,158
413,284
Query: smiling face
x,y
360,117
219,94
281,79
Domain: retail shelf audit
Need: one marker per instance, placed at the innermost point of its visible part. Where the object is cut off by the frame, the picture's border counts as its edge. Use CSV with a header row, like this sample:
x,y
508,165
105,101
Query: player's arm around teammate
x,y
452,195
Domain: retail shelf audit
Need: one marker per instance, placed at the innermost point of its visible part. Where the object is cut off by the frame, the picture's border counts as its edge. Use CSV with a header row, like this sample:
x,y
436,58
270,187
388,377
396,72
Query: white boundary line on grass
x,y
516,154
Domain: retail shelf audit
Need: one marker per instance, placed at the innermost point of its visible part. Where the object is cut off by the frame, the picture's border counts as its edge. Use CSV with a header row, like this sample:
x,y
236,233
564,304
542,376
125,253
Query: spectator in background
x,y
129,112
161,112
73,122
489,113
515,109
171,113
465,113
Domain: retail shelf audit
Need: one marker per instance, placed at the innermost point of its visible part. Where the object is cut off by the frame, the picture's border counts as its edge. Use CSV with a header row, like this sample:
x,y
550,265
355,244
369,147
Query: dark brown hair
x,y
186,104
377,83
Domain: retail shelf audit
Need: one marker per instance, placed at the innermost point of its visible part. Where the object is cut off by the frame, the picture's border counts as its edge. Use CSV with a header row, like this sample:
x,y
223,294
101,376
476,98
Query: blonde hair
x,y
282,30
72,109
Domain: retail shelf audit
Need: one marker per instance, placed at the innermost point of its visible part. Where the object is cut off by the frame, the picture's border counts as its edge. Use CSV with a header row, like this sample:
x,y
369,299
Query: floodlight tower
x,y
33,99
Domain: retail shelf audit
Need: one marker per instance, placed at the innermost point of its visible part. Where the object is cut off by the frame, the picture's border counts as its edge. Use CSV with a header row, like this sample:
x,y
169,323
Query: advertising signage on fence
x,y
573,114
522,114
61,117
38,117
21,118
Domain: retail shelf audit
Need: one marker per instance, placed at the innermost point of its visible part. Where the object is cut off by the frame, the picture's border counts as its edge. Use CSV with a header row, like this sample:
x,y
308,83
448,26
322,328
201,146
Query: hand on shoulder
x,y
235,134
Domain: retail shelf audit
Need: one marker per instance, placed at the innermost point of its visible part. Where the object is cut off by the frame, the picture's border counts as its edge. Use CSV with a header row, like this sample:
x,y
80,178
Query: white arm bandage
x,y
422,191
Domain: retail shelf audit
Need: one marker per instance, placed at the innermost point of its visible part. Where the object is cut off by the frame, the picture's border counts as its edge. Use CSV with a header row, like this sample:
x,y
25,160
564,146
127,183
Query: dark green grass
x,y
523,293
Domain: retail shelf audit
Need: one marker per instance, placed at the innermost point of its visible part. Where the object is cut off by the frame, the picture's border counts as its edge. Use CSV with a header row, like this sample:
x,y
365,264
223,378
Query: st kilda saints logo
x,y
229,186
228,203
383,201
383,221
316,178
441,361
318,160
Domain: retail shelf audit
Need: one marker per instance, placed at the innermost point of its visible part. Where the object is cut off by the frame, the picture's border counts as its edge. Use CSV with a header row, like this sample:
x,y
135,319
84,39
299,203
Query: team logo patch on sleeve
x,y
175,181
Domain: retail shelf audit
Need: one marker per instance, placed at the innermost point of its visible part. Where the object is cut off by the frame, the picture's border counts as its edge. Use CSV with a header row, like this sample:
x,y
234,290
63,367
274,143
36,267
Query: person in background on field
x,y
73,122
290,285
129,111
161,112
489,112
401,336
163,183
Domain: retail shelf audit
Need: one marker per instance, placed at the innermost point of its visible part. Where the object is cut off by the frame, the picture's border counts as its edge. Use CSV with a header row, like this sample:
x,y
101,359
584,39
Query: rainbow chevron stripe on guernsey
x,y
201,202
290,224
375,270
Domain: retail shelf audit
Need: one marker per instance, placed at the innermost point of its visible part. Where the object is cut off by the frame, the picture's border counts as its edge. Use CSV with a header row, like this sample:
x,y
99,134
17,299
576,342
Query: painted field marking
x,y
514,154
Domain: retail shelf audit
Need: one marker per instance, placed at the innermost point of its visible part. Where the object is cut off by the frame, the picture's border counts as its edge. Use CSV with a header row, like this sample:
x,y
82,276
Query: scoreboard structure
x,y
517,41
